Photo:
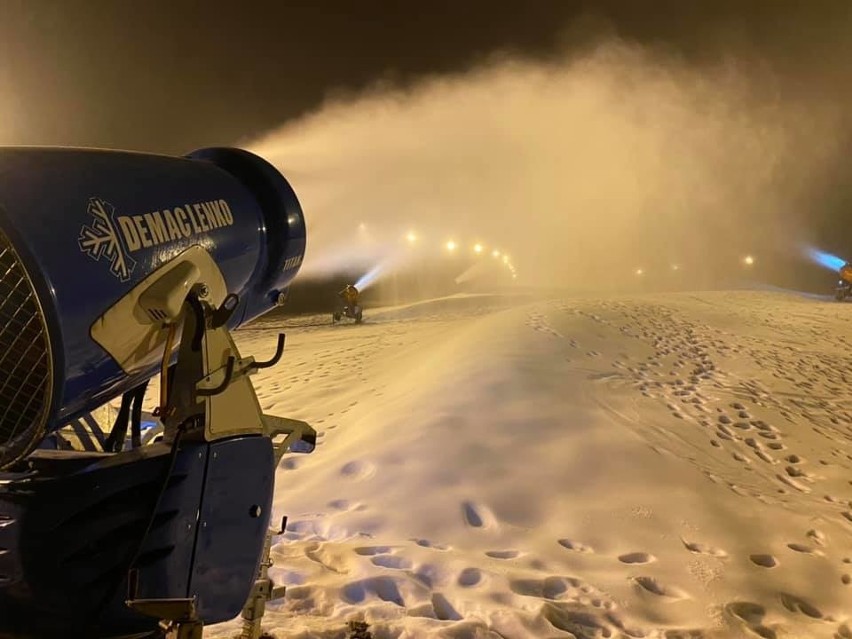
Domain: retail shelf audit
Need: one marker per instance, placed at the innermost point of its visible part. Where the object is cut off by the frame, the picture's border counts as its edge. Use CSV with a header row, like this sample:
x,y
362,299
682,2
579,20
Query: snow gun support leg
x,y
211,398
178,618
264,590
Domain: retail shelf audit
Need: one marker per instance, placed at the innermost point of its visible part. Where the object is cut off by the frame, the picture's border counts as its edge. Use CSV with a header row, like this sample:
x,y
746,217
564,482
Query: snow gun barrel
x,y
83,231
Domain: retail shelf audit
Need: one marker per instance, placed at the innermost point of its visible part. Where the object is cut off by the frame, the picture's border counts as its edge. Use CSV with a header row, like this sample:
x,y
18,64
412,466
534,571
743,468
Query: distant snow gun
x,y
116,267
844,284
348,305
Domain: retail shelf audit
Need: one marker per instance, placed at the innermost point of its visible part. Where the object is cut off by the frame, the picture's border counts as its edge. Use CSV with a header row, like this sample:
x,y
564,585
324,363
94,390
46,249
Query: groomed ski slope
x,y
664,466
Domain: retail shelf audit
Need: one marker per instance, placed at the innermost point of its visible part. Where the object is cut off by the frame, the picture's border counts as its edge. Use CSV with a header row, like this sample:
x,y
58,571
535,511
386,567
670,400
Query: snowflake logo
x,y
101,240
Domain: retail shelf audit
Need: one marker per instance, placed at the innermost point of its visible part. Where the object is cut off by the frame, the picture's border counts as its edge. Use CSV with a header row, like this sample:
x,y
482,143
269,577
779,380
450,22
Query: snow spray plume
x,y
582,168
826,260
369,278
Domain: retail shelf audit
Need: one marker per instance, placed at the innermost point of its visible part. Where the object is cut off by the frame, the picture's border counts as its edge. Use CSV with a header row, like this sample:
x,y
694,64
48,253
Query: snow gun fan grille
x,y
25,364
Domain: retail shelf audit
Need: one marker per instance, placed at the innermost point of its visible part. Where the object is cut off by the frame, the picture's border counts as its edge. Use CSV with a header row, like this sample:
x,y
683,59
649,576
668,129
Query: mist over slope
x,y
583,167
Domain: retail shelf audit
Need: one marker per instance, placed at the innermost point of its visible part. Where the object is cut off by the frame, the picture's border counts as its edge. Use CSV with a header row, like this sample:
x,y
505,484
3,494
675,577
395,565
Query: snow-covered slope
x,y
668,466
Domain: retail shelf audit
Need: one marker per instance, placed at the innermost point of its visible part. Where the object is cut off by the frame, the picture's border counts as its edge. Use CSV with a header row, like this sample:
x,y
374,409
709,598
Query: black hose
x,y
136,415
198,311
130,413
115,441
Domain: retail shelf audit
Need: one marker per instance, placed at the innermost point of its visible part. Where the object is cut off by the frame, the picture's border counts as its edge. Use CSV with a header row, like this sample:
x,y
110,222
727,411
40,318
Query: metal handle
x,y
222,314
229,373
279,351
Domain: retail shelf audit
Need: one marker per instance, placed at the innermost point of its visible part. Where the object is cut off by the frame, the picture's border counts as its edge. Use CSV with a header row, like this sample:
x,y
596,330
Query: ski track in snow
x,y
662,466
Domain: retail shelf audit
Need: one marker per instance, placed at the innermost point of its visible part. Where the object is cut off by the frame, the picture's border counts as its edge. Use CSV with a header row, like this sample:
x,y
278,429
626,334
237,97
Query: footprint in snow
x,y
818,537
470,577
798,605
358,470
576,546
552,587
425,543
751,615
340,504
804,549
371,551
385,588
764,561
637,558
444,610
658,589
391,561
477,515
291,463
704,549
503,554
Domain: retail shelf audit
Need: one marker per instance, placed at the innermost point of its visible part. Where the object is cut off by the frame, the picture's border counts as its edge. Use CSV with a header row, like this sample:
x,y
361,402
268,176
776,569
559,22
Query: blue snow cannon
x,y
80,228
115,267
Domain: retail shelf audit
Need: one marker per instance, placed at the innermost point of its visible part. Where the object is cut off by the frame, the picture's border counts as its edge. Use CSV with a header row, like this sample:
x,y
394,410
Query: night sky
x,y
174,76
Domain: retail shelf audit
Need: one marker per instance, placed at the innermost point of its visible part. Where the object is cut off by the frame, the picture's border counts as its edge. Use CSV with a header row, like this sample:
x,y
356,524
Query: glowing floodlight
x,y
477,248
451,246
